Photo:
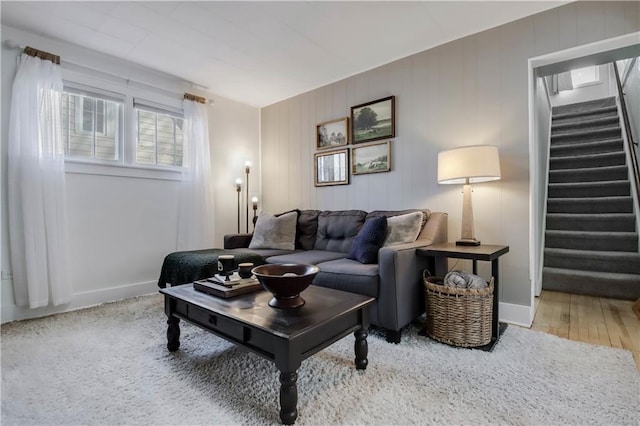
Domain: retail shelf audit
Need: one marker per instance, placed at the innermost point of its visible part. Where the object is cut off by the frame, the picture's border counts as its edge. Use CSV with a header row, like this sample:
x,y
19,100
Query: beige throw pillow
x,y
275,232
403,229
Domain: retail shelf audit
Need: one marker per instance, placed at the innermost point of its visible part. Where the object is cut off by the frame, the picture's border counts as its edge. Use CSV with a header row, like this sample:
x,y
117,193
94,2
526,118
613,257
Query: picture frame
x,y
371,158
332,134
373,121
331,167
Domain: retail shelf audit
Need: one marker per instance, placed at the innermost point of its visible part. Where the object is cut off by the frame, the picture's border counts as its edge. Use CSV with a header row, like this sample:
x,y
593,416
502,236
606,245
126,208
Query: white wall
x,y
120,228
470,91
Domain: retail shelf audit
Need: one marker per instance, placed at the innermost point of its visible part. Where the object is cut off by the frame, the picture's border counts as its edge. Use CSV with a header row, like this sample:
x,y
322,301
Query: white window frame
x,y
80,118
125,165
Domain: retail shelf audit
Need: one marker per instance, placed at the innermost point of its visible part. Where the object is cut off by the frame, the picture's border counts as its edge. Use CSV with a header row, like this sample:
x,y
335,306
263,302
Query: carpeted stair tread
x,y
605,222
590,205
586,135
590,147
580,107
589,174
589,189
616,285
580,161
610,111
596,122
593,260
592,240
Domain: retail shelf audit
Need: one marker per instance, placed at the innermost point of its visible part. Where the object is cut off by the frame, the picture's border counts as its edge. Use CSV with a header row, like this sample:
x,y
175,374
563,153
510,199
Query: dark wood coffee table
x,y
283,336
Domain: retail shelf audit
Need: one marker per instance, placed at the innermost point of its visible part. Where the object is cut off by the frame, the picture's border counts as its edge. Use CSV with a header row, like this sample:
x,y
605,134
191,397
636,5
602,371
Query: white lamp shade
x,y
478,163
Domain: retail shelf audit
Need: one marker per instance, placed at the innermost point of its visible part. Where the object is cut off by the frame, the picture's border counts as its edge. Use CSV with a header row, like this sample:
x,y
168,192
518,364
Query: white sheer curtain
x,y
37,218
195,218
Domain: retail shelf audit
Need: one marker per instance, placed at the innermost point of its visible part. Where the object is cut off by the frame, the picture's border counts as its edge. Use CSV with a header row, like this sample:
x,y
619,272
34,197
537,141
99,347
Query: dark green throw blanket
x,y
183,267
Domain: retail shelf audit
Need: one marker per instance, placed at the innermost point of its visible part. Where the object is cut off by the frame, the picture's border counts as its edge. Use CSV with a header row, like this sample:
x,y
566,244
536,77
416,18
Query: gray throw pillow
x,y
403,229
275,232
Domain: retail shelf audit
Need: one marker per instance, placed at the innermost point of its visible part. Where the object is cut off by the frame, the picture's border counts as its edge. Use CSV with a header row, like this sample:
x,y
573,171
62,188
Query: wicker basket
x,y
458,316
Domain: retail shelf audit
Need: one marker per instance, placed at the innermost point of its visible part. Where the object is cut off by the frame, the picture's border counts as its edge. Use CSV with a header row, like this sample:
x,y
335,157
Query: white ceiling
x,y
262,52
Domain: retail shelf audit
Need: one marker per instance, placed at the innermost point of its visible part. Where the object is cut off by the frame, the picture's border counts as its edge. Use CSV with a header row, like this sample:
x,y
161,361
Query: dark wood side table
x,y
484,252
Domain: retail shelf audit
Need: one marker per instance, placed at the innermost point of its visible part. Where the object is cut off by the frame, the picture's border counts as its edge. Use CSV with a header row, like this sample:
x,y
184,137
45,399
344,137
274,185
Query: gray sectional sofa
x,y
324,238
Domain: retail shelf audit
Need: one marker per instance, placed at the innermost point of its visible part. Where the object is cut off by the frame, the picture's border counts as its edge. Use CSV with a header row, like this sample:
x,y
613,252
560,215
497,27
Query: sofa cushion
x,y
369,240
389,213
337,229
307,229
309,257
403,229
273,232
349,275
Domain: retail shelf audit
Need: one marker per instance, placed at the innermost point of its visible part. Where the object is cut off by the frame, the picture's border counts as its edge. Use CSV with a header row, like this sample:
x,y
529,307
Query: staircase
x,y
591,241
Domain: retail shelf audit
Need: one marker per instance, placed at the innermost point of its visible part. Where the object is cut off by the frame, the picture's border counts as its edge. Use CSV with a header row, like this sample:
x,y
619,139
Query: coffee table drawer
x,y
211,321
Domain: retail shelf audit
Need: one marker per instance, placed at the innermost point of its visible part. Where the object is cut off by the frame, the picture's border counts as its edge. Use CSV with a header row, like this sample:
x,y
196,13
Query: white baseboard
x,y
515,314
11,312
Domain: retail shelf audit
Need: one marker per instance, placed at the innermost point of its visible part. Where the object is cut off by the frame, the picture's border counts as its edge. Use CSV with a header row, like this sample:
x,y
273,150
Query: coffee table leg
x,y
173,333
288,397
361,349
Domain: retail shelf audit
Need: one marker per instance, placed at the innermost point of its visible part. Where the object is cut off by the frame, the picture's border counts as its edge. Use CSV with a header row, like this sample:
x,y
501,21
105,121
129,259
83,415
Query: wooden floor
x,y
596,320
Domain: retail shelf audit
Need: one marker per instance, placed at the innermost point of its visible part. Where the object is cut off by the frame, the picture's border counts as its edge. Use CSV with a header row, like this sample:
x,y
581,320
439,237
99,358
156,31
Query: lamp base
x,y
468,242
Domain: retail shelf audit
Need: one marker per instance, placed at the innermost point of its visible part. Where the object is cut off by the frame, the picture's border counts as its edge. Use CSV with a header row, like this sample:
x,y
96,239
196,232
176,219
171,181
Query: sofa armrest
x,y
233,241
401,292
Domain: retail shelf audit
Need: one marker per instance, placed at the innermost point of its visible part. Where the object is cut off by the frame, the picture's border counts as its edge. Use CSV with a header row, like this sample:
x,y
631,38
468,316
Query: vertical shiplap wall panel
x,y
469,91
632,16
488,197
567,25
294,147
517,40
307,133
546,32
590,24
614,18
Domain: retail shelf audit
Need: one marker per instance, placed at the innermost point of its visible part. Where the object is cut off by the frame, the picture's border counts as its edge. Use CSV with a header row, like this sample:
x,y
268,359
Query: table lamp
x,y
467,165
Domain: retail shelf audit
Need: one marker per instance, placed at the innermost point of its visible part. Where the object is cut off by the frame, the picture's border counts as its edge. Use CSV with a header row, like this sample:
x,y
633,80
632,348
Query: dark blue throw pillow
x,y
369,240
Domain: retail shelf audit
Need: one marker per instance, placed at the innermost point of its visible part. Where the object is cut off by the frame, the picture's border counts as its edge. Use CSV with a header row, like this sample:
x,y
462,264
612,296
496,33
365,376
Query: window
x,y
106,124
92,124
585,76
92,115
158,136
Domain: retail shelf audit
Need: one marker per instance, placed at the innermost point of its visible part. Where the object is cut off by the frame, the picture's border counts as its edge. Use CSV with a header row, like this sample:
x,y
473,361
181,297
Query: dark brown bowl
x,y
286,289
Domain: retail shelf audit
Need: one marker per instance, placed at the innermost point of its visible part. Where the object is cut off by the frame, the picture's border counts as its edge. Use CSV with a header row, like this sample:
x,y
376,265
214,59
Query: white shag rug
x,y
109,365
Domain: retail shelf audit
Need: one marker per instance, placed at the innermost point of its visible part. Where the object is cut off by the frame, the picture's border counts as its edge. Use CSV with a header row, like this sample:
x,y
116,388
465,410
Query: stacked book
x,y
227,286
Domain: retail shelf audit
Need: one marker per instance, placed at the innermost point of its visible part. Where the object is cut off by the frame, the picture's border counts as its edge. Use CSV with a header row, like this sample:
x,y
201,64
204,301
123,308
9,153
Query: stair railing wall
x,y
631,144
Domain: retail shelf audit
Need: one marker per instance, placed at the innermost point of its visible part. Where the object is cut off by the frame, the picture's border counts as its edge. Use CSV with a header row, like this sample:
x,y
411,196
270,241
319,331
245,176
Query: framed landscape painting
x,y
374,158
331,168
373,121
331,134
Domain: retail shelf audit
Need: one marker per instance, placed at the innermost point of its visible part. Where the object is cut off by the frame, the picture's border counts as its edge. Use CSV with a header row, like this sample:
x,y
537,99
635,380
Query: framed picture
x,y
373,121
332,133
331,167
374,158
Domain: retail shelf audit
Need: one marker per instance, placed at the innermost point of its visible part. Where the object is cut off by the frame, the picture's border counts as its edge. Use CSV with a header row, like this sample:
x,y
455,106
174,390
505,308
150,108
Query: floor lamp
x,y
467,165
247,168
238,190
